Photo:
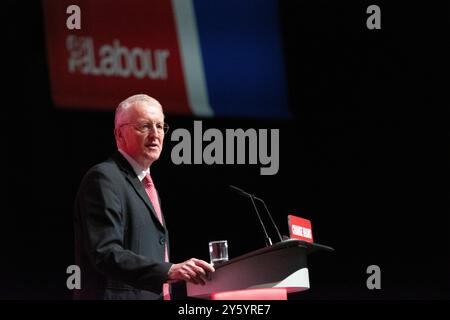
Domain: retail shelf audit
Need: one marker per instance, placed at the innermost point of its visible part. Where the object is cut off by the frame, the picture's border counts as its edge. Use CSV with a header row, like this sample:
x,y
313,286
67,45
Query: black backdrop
x,y
365,157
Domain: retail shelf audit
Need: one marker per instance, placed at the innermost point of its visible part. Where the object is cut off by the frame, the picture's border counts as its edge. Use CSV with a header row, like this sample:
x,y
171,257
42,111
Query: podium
x,y
279,266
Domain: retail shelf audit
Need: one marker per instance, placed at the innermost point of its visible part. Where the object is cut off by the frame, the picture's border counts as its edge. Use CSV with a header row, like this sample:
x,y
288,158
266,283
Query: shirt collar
x,y
140,172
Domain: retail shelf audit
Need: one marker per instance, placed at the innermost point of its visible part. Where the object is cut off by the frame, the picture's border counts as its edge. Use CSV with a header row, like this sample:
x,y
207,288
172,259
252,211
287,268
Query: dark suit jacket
x,y
119,241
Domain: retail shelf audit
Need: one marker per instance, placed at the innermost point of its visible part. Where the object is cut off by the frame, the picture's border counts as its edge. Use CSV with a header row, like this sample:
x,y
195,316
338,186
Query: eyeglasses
x,y
146,127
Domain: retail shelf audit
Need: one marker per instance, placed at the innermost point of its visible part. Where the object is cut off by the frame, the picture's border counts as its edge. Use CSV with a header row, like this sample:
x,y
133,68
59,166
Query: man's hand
x,y
192,270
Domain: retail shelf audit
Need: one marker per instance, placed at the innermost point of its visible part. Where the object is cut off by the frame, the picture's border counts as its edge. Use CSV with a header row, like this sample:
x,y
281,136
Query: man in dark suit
x,y
121,240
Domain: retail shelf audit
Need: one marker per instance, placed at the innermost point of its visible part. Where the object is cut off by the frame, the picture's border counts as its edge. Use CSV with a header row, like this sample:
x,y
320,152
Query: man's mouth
x,y
152,145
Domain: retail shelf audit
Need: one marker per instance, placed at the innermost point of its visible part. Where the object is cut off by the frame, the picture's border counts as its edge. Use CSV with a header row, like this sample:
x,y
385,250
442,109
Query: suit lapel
x,y
137,185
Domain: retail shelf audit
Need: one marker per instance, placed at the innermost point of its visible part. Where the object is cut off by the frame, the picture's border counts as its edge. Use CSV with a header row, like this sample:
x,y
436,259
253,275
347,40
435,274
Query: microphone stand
x,y
271,219
268,240
253,198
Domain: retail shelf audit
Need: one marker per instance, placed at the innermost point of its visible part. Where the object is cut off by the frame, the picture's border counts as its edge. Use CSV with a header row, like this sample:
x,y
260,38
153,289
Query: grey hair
x,y
129,102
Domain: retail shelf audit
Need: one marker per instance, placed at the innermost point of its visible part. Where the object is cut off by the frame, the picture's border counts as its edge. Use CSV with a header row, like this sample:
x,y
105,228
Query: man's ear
x,y
118,135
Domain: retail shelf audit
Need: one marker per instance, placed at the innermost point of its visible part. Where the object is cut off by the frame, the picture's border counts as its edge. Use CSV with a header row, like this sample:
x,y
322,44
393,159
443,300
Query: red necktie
x,y
151,191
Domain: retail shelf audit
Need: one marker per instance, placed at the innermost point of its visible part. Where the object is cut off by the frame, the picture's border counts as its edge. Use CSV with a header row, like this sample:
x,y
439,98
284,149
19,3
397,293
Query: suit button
x,y
162,241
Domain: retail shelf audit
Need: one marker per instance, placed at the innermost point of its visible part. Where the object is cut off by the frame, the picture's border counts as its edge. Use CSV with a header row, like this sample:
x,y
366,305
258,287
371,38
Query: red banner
x,y
122,48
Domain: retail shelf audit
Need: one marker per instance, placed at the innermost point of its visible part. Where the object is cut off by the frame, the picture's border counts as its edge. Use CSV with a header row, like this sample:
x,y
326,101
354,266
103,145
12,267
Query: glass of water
x,y
218,251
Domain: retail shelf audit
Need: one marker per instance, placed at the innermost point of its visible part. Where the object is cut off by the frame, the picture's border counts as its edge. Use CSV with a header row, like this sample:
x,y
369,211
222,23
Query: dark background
x,y
365,157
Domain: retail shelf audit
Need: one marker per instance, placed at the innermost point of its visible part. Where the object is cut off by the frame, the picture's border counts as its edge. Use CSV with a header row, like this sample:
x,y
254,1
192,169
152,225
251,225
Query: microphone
x,y
271,219
240,191
252,198
245,194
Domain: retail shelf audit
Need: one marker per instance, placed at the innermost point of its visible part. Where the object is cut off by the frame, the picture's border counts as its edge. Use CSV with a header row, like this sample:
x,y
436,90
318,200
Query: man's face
x,y
140,137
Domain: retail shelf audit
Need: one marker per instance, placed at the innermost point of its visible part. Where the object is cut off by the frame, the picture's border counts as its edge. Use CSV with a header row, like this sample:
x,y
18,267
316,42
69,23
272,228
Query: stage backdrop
x,y
197,57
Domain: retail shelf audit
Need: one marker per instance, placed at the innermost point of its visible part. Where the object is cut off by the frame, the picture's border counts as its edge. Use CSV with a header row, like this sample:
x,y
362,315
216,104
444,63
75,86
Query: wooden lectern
x,y
279,266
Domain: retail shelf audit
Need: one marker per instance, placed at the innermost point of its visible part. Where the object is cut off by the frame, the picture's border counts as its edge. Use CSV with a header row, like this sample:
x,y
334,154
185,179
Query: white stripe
x,y
191,57
297,281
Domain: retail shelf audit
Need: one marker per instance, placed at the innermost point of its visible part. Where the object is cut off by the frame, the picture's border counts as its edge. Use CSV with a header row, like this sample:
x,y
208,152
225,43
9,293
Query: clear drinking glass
x,y
218,251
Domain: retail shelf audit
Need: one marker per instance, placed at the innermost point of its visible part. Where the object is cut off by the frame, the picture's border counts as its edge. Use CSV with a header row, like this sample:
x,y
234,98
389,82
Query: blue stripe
x,y
242,56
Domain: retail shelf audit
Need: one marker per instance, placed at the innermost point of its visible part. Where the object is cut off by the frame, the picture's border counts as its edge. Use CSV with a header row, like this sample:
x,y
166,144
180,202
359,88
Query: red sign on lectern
x,y
300,228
